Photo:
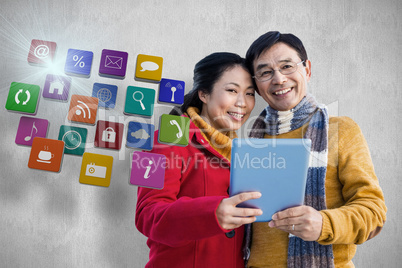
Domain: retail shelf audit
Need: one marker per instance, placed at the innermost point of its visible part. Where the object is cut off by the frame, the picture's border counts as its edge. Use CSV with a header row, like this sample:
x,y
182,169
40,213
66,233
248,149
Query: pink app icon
x,y
148,170
29,128
41,52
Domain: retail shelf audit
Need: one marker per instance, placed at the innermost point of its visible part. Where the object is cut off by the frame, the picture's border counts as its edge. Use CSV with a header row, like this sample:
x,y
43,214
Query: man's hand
x,y
229,216
302,221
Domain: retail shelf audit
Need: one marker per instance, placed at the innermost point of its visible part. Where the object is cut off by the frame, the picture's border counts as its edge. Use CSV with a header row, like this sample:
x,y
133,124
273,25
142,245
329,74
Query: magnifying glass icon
x,y
139,99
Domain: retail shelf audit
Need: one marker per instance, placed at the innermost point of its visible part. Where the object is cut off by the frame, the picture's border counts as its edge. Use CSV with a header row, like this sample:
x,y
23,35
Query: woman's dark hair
x,y
206,73
266,41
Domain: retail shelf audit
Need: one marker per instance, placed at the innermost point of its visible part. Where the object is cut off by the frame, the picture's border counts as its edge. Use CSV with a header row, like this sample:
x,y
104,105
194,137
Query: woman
x,y
192,222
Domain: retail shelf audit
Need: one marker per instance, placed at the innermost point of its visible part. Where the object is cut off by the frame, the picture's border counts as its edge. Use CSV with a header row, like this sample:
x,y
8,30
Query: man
x,y
344,204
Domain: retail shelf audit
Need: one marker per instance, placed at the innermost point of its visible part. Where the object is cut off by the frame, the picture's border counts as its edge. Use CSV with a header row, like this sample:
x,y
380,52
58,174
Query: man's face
x,y
282,92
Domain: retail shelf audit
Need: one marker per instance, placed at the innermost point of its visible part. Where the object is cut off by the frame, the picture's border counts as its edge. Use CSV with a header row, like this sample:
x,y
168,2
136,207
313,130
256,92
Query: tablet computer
x,y
277,168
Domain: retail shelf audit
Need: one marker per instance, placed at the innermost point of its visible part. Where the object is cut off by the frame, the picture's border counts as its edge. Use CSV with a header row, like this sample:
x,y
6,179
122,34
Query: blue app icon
x,y
140,135
171,91
106,94
78,62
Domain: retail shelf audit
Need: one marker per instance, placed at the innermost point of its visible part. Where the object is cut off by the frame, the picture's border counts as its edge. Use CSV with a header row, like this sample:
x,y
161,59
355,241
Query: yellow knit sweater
x,y
355,202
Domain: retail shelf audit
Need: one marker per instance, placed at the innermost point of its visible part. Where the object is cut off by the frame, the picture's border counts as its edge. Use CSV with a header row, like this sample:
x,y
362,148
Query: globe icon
x,y
104,95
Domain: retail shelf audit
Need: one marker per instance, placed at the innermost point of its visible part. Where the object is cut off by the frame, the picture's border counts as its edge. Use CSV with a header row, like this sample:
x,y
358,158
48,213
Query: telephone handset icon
x,y
180,133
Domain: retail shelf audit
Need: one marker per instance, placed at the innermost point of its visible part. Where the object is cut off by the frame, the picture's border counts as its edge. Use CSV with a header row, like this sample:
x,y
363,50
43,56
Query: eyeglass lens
x,y
267,73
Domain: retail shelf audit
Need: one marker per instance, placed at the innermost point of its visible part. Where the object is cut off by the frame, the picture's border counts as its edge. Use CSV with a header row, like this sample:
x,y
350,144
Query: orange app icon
x,y
46,154
83,109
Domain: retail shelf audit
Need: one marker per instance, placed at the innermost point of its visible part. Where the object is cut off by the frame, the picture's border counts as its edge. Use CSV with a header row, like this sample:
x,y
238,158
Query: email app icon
x,y
113,63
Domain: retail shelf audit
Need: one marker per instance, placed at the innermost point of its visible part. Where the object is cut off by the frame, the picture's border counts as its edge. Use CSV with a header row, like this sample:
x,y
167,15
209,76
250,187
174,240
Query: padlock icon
x,y
109,135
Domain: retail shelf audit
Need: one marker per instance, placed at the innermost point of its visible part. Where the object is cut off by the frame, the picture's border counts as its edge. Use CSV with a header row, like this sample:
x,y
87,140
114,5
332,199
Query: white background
x,y
51,220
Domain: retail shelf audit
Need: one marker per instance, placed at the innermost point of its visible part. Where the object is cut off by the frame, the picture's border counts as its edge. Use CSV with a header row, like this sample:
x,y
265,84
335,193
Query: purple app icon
x,y
57,87
113,63
148,170
29,128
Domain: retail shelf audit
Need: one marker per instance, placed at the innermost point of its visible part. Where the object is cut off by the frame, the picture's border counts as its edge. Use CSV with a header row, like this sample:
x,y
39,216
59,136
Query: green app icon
x,y
139,101
23,98
174,129
74,139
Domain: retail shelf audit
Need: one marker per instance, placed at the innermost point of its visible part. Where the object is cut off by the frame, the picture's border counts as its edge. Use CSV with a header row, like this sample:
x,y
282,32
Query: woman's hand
x,y
302,221
229,216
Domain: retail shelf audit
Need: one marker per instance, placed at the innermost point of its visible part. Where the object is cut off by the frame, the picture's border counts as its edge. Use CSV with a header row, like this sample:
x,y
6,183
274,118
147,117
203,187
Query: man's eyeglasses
x,y
266,73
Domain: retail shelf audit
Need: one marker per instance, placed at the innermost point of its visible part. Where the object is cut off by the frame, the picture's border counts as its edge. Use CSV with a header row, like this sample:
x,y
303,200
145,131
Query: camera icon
x,y
95,171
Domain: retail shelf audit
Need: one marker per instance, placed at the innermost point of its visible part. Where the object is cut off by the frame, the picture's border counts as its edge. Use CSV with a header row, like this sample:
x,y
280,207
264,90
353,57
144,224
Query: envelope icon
x,y
113,62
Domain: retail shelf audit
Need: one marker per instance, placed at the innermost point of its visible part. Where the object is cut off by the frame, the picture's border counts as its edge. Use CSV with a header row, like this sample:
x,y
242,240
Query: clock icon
x,y
72,139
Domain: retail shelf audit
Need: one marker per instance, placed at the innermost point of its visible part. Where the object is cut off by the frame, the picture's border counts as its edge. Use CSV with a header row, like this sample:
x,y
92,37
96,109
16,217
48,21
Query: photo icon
x,y
96,169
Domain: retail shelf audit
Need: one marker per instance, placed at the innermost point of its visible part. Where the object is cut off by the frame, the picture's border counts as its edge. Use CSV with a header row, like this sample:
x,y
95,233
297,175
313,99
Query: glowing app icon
x,y
29,128
41,52
83,109
148,170
113,63
96,169
171,91
46,154
56,87
109,134
106,94
174,129
74,139
140,135
23,98
149,68
139,101
79,62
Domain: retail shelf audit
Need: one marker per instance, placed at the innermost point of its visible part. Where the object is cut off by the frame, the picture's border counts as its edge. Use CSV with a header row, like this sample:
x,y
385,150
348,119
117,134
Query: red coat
x,y
180,220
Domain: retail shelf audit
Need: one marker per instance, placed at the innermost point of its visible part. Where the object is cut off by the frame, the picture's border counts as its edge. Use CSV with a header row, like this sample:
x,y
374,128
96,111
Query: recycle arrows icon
x,y
18,93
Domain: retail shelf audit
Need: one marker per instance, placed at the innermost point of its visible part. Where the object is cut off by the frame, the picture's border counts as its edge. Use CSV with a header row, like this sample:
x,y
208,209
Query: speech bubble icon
x,y
149,66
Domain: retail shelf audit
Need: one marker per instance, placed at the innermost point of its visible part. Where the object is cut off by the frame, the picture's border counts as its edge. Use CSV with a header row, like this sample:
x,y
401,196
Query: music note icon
x,y
28,138
29,128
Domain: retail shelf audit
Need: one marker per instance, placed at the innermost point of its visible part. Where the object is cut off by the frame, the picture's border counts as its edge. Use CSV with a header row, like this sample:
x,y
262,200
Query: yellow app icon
x,y
149,68
96,169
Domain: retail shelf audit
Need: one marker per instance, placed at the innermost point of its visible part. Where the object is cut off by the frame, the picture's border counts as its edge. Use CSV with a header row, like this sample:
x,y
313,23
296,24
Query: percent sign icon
x,y
78,61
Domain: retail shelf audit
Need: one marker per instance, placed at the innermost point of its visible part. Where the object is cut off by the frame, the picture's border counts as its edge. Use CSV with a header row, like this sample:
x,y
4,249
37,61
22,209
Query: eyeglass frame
x,y
273,72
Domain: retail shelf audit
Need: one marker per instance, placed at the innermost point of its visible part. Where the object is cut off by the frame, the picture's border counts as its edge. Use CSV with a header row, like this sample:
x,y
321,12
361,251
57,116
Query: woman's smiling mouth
x,y
236,116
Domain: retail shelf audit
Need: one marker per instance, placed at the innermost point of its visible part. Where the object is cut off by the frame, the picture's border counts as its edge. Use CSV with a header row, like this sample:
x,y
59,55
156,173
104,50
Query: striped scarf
x,y
302,253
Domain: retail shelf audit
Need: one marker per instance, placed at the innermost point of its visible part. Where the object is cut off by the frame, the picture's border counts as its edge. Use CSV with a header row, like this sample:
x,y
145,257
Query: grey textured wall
x,y
51,220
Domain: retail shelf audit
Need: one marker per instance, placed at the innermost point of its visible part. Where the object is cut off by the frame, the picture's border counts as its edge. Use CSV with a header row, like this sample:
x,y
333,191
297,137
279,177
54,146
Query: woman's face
x,y
231,101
